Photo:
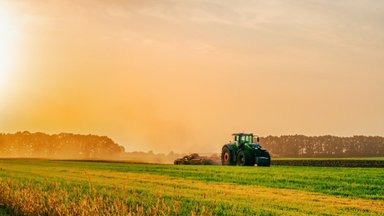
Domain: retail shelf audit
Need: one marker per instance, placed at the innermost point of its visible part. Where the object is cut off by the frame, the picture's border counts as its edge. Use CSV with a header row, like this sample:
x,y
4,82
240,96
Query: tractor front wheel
x,y
267,155
244,159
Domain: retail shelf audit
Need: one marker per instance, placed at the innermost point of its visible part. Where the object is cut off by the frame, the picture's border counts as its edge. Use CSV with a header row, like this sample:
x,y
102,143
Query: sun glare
x,y
8,43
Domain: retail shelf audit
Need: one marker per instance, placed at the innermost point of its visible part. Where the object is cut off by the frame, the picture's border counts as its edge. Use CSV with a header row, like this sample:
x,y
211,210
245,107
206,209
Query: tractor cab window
x,y
249,139
241,139
245,139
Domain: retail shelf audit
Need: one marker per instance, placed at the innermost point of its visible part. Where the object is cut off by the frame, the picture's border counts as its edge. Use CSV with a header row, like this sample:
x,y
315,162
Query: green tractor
x,y
244,152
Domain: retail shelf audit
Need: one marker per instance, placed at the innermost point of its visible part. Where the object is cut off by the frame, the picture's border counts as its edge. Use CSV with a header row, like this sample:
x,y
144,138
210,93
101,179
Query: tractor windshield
x,y
246,138
241,139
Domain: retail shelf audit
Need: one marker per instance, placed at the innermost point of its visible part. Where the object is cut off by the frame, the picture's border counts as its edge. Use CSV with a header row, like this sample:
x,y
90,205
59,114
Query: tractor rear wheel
x,y
245,159
226,156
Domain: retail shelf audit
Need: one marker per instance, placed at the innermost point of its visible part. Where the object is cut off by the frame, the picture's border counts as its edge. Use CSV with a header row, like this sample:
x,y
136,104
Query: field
x,y
39,187
330,162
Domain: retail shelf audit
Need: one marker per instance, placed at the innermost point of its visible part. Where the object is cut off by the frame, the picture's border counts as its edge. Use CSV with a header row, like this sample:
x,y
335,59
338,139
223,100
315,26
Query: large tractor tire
x,y
245,159
227,156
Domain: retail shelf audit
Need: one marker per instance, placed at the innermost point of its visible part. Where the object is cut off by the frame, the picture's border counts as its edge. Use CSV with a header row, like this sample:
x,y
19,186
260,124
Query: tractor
x,y
244,152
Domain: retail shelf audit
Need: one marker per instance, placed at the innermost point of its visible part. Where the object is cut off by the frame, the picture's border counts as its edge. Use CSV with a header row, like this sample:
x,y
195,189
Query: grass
x,y
3,212
33,187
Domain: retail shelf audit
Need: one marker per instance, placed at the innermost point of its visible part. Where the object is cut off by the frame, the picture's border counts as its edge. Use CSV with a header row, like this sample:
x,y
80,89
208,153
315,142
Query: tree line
x,y
75,146
324,146
63,146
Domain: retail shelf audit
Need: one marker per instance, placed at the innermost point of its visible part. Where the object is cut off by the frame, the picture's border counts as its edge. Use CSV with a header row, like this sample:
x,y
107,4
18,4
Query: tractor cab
x,y
243,138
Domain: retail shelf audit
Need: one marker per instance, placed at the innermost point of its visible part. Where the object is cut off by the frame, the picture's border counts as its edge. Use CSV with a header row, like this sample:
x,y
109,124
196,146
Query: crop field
x,y
330,162
39,187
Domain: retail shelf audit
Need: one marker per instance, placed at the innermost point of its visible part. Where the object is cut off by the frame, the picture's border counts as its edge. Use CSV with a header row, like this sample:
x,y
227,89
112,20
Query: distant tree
x,y
324,146
64,145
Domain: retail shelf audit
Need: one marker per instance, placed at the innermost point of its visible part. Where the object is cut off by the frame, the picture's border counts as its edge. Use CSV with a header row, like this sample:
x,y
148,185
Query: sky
x,y
177,75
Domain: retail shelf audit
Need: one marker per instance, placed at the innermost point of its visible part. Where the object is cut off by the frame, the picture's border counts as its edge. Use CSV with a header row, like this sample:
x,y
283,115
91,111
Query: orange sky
x,y
183,75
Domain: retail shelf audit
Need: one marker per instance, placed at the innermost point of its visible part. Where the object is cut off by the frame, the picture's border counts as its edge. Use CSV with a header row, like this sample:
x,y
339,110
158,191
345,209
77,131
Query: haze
x,y
183,75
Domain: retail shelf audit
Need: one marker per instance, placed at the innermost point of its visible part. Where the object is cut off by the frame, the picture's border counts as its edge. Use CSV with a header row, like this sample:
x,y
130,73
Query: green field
x,y
36,187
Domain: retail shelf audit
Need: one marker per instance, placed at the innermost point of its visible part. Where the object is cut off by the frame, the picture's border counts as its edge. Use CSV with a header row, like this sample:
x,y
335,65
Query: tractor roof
x,y
242,134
